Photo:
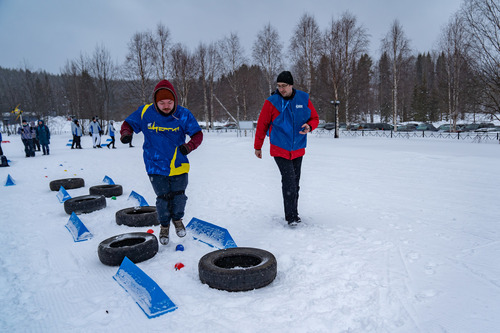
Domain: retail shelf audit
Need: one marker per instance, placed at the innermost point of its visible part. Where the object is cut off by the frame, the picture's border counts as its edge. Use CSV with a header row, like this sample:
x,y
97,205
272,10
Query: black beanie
x,y
285,77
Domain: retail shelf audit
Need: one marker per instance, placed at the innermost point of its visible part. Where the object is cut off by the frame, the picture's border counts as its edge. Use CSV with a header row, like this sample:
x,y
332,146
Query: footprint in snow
x,y
426,294
412,256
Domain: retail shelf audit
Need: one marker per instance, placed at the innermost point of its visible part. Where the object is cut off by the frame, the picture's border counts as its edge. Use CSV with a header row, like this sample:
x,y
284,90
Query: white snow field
x,y
398,235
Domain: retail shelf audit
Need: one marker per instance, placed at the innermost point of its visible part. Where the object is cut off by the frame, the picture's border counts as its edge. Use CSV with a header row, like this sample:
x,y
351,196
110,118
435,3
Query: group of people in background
x,y
35,137
95,131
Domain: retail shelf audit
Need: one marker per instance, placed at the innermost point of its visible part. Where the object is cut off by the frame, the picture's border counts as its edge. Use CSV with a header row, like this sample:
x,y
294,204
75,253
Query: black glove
x,y
184,149
90,134
126,138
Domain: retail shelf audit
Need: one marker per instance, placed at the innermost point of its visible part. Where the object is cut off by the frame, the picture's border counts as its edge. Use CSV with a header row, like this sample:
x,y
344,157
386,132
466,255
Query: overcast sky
x,y
44,34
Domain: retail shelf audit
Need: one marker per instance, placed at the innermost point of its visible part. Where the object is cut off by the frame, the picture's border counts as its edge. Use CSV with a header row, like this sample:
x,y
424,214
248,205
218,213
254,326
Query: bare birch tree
x,y
305,49
139,66
201,60
104,72
206,58
397,47
483,26
183,71
267,54
344,44
160,47
78,88
232,56
453,44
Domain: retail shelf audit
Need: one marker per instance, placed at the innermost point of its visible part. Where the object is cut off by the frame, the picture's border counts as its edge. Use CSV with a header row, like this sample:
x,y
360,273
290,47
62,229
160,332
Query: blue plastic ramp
x,y
139,198
144,290
108,180
77,229
62,195
9,181
105,144
210,234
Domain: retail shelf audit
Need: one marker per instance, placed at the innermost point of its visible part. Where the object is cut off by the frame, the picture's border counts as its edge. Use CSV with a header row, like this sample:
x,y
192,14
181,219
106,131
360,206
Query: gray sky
x,y
45,34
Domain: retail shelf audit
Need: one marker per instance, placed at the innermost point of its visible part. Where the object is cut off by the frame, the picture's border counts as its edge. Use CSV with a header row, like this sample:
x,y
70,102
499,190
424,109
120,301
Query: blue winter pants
x,y
170,197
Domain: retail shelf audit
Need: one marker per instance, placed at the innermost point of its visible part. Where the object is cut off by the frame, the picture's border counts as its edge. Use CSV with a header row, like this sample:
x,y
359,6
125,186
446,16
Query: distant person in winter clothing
x,y
165,125
73,125
76,130
3,160
36,141
287,115
96,131
43,135
27,138
111,130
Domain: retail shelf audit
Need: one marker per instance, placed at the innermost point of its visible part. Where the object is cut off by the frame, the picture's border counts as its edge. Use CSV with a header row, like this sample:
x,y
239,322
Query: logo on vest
x,y
299,106
161,129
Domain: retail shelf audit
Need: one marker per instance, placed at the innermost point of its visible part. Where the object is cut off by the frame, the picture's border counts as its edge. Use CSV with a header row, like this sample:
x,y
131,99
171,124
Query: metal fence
x,y
472,136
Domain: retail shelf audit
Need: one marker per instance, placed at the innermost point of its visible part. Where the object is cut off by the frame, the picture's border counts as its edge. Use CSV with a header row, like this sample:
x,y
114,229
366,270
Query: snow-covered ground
x,y
399,235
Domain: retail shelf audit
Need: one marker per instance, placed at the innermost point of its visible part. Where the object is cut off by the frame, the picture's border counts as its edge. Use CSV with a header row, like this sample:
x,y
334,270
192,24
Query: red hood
x,y
164,84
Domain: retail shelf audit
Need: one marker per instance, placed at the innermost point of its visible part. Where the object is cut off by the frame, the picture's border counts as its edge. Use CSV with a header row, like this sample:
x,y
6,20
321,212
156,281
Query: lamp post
x,y
336,110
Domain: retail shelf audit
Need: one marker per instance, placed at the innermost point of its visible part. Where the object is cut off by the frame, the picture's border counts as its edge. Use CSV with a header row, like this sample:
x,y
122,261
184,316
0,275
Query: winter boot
x,y
179,228
164,231
294,222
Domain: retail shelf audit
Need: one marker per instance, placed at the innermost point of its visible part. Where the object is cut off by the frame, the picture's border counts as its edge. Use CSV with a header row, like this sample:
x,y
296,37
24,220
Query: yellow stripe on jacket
x,y
184,168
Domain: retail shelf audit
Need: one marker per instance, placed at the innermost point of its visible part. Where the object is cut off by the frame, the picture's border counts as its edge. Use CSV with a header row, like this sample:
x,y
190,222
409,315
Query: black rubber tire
x,y
238,269
84,204
142,216
67,183
107,190
137,246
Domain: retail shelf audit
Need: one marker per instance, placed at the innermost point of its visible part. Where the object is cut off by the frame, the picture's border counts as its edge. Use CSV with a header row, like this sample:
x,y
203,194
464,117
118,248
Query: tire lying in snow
x,y
137,246
84,204
107,190
237,269
67,183
143,216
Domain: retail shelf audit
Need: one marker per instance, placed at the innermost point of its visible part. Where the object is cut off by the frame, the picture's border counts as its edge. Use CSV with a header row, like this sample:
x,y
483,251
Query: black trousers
x,y
29,148
290,178
112,142
76,142
36,144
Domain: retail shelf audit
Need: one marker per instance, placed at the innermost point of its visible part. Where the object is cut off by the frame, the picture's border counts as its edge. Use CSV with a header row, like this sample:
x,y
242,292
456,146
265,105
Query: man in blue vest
x,y
165,125
287,115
